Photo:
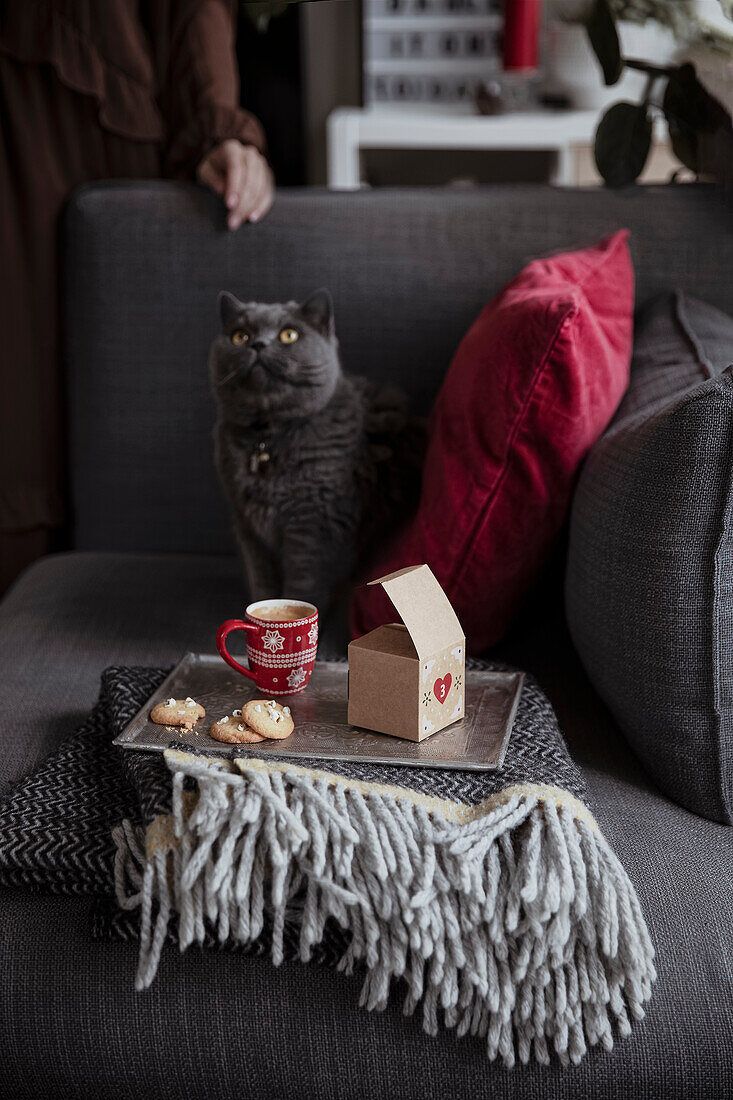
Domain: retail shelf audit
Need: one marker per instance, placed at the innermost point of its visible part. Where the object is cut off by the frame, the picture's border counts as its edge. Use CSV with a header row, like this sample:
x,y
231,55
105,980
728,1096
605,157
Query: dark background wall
x,y
271,76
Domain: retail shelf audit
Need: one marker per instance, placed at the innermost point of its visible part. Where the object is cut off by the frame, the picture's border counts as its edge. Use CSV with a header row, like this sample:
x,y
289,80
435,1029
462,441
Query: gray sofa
x,y
152,573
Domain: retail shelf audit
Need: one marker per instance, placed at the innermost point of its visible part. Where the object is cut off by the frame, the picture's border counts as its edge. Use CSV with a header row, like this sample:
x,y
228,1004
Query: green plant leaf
x,y
690,110
604,40
682,136
623,138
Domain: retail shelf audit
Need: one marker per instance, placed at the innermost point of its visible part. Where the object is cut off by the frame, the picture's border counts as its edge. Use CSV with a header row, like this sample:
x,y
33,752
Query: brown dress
x,y
89,89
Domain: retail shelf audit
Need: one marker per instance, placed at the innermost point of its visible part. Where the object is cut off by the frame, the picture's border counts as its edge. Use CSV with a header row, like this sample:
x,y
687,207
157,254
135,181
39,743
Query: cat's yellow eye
x,y
289,336
240,337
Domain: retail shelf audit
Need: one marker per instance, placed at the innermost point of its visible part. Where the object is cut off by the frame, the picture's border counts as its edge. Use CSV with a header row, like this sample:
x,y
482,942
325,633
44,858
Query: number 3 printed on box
x,y
442,687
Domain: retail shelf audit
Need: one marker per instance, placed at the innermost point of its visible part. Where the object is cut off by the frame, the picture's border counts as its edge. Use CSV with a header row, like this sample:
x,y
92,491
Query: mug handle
x,y
221,635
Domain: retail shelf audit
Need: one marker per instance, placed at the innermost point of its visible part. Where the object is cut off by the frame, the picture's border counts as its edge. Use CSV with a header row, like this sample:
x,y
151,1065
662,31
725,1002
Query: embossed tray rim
x,y
478,755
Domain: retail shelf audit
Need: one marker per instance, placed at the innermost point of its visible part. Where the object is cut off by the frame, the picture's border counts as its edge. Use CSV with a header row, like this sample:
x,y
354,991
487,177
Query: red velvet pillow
x,y
533,384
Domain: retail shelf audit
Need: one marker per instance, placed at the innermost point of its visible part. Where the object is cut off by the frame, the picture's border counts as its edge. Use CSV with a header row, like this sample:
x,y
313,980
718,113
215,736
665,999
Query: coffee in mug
x,y
287,613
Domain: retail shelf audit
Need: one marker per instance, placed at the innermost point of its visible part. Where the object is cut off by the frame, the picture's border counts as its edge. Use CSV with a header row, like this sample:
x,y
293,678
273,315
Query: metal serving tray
x,y
477,742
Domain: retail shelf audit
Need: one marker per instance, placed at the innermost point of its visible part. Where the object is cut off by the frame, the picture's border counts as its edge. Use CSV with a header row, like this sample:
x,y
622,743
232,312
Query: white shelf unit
x,y
352,129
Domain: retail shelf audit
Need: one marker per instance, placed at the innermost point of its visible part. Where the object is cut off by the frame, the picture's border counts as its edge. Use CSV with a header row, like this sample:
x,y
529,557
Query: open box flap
x,y
423,607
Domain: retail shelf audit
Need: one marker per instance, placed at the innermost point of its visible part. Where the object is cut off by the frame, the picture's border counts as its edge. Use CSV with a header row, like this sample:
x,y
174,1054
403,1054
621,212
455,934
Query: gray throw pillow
x,y
649,586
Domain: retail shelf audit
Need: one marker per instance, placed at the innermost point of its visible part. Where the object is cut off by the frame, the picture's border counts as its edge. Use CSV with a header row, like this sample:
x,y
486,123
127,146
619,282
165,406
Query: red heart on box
x,y
442,687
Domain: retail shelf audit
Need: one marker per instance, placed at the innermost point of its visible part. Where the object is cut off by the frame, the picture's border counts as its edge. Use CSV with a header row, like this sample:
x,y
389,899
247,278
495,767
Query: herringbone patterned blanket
x,y
493,895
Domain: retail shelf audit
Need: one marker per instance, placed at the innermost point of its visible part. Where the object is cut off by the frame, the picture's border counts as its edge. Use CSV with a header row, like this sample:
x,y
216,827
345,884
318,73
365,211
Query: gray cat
x,y
305,452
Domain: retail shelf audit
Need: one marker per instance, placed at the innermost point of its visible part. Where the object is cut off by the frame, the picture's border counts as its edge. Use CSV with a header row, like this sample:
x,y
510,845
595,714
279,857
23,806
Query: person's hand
x,y
242,176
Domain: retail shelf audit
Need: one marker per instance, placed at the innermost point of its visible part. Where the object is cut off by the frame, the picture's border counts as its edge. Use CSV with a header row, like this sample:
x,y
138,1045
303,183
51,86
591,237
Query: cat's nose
x,y
258,345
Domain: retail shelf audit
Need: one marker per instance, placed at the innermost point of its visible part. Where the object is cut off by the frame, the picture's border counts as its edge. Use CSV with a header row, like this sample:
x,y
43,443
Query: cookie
x,y
177,712
268,718
234,731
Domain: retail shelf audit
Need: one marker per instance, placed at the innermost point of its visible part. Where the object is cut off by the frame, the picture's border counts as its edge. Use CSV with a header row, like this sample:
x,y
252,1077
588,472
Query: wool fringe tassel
x,y
521,926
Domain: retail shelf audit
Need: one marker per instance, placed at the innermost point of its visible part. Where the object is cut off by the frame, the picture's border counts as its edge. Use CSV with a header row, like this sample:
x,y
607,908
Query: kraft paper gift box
x,y
408,679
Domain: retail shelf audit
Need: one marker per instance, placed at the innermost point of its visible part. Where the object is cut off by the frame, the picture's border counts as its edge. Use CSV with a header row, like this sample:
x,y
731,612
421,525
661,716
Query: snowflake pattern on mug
x,y
296,677
313,634
273,640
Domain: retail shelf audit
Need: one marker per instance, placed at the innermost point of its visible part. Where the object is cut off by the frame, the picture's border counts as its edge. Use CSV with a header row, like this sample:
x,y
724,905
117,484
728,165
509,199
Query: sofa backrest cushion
x,y
533,384
408,269
649,590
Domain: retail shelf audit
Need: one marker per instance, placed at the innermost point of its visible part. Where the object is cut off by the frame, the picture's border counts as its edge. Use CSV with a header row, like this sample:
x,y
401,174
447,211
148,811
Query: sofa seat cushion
x,y
70,1022
218,1024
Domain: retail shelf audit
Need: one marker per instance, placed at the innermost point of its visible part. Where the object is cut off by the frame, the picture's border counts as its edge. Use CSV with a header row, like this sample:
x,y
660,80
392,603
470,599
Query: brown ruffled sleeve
x,y
193,42
96,50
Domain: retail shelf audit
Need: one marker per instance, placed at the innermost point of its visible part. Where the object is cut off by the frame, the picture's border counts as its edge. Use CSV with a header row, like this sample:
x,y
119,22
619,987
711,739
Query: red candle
x,y
522,20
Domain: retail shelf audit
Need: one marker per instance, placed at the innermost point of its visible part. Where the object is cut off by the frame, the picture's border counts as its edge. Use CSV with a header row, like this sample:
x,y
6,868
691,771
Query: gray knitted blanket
x,y
493,896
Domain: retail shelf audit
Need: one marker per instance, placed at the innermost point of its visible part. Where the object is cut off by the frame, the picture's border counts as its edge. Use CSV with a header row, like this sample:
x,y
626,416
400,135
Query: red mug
x,y
280,653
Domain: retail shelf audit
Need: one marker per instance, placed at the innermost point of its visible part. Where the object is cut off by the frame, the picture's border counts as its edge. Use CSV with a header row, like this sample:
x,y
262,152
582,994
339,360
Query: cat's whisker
x,y
232,374
284,376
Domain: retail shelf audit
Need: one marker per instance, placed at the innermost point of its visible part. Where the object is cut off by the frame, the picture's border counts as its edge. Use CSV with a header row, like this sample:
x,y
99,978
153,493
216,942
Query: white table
x,y
352,129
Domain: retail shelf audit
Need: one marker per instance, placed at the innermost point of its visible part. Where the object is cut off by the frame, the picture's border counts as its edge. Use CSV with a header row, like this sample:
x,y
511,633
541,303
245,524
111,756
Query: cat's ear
x,y
318,312
229,308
